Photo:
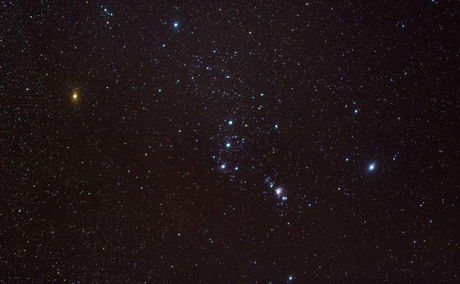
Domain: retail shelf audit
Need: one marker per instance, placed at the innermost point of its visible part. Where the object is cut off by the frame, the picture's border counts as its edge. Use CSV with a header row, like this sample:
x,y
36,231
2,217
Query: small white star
x,y
228,145
230,122
223,166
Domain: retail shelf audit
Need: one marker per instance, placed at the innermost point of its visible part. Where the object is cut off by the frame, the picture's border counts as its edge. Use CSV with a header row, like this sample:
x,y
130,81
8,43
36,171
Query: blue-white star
x,y
371,167
278,191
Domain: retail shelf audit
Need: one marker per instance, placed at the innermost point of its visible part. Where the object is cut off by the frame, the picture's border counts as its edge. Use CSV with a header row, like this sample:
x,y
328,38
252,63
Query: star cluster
x,y
229,142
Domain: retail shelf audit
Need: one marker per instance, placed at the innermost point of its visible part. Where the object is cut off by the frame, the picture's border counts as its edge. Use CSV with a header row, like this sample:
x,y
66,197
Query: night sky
x,y
229,141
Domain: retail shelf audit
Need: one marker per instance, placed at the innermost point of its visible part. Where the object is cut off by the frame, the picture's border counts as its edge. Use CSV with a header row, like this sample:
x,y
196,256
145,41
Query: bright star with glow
x,y
278,191
371,167
230,122
75,96
276,126
176,25
290,277
223,166
228,145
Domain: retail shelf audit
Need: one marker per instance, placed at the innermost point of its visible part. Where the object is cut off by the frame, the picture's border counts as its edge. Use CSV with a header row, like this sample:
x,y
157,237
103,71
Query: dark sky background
x,y
229,141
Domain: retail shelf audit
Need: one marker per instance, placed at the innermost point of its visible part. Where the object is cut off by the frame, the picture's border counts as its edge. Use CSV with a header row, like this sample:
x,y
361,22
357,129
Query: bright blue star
x,y
371,167
237,168
230,122
227,145
284,198
176,25
290,277
276,126
223,166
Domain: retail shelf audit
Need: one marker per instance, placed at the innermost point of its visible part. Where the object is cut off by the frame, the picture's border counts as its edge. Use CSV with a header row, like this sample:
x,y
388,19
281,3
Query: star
x,y
371,167
223,166
176,25
278,191
290,277
228,145
75,96
230,122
